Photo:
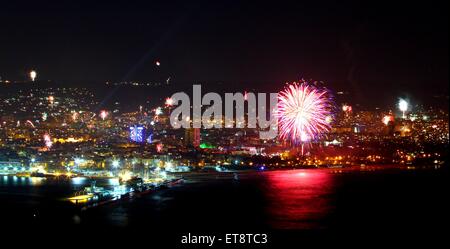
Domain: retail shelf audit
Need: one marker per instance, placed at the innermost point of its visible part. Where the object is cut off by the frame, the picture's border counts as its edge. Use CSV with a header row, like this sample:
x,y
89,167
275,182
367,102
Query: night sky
x,y
379,50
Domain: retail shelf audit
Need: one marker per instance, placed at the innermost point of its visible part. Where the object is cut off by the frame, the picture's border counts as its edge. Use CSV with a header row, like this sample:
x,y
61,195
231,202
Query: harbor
x,y
135,187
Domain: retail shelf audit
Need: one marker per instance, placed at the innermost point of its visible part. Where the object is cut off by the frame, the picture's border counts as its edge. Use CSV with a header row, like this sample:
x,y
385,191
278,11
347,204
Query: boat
x,y
37,174
98,191
81,198
174,182
91,193
134,181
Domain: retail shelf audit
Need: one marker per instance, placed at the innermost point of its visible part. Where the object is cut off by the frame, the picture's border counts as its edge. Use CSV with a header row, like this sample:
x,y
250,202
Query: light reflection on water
x,y
113,182
282,199
20,181
299,199
36,181
11,180
78,180
86,181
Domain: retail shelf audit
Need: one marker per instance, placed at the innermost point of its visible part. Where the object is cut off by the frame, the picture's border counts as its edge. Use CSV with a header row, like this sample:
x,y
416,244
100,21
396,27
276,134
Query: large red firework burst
x,y
303,112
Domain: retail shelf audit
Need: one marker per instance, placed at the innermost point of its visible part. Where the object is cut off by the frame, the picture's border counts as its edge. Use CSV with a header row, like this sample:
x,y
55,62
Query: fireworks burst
x,y
169,102
158,111
386,119
159,147
303,112
103,114
33,75
48,141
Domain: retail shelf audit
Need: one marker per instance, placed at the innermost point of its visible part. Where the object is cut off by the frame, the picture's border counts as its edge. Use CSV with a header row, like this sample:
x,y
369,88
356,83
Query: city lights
x,y
223,125
51,99
74,116
78,161
137,134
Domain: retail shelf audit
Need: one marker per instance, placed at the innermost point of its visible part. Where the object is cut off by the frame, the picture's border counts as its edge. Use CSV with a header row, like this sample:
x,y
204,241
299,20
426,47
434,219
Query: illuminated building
x,y
137,134
192,137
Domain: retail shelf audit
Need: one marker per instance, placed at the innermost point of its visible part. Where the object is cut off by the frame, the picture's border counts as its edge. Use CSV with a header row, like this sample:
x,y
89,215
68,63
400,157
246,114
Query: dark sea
x,y
294,207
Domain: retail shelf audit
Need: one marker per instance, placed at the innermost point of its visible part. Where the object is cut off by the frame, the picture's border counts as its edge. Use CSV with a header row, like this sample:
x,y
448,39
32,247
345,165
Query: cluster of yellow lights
x,y
125,175
68,140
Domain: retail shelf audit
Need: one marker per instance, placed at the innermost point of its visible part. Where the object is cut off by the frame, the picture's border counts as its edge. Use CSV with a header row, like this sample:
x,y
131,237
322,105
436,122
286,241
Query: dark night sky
x,y
376,50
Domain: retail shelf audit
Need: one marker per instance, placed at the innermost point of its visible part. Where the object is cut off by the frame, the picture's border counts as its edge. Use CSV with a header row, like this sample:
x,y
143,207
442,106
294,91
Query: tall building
x,y
137,134
192,137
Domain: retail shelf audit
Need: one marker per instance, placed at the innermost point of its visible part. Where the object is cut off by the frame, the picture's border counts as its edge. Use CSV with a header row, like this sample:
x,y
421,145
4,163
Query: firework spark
x,y
33,75
103,114
303,112
169,102
387,119
159,147
347,108
48,141
403,106
158,111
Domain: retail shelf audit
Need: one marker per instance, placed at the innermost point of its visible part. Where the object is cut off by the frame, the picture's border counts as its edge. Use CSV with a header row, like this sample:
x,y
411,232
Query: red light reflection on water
x,y
299,199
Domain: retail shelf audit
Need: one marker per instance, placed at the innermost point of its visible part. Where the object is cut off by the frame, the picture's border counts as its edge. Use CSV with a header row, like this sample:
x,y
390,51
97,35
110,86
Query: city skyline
x,y
223,124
